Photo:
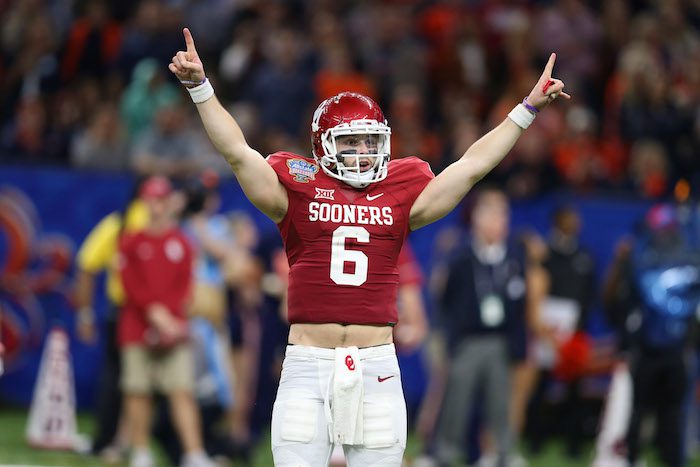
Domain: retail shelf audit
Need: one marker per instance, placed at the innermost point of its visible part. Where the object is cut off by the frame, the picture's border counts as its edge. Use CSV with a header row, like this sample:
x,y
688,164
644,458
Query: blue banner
x,y
46,213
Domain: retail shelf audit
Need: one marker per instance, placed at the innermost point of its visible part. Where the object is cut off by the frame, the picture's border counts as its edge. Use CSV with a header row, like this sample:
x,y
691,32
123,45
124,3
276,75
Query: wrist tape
x,y
521,116
201,93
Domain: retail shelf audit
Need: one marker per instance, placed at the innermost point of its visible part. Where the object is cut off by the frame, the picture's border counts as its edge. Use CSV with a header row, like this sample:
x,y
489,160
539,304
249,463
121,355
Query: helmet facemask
x,y
352,166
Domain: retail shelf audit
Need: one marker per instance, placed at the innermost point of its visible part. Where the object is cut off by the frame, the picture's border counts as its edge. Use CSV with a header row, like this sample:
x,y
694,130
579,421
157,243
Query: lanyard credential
x,y
489,284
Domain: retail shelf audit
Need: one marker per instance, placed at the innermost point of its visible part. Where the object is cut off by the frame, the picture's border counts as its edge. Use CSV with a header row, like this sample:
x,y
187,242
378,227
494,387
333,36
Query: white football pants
x,y
301,415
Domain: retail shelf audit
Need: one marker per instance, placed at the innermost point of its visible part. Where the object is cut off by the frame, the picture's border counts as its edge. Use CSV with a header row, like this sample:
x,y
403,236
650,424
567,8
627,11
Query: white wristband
x,y
201,93
521,116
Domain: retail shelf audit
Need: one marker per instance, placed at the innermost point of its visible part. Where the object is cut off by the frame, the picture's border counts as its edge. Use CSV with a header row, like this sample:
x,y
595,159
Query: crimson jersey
x,y
153,269
343,243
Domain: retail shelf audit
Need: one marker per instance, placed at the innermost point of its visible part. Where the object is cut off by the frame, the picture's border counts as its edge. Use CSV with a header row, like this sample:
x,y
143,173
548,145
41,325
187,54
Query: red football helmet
x,y
345,114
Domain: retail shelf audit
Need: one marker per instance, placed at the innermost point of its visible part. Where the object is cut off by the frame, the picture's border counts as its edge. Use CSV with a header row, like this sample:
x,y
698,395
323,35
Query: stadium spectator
x,y
260,315
571,27
282,82
150,33
156,271
389,45
209,233
537,282
170,146
93,43
410,134
32,73
337,73
436,356
571,270
530,173
147,92
98,254
215,251
103,145
648,175
483,309
651,295
328,337
27,136
585,160
650,107
223,365
241,56
213,16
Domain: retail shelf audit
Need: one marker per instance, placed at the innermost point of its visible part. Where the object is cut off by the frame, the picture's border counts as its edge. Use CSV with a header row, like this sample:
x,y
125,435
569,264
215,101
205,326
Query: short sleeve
x,y
98,249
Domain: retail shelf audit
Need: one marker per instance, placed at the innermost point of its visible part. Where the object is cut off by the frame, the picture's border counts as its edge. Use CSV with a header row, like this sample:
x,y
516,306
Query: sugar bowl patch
x,y
302,170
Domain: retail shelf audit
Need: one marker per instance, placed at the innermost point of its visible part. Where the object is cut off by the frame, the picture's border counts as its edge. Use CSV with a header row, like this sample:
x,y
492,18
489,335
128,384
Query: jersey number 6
x,y
340,256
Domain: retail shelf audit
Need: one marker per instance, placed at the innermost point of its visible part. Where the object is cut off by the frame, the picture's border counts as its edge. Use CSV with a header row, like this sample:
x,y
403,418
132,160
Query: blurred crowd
x,y
85,83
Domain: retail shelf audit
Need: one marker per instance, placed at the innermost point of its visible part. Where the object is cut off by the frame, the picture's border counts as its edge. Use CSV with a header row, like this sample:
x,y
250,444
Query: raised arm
x,y
446,190
257,178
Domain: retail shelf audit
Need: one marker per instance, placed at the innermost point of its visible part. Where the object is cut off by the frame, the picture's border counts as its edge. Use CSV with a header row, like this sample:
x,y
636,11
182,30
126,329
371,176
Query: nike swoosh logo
x,y
372,198
381,380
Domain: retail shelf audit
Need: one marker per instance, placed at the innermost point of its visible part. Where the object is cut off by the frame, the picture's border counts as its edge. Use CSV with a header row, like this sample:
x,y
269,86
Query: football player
x,y
344,215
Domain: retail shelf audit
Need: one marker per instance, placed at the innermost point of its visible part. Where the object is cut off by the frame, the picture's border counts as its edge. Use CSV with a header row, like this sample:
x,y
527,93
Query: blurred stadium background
x,y
88,106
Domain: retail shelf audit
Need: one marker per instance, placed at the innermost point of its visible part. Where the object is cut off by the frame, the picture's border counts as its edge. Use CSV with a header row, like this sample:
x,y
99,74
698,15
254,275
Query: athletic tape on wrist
x,y
201,93
521,116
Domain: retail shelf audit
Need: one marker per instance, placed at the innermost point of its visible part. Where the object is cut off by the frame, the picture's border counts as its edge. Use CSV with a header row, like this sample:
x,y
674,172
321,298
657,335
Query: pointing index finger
x,y
189,41
547,69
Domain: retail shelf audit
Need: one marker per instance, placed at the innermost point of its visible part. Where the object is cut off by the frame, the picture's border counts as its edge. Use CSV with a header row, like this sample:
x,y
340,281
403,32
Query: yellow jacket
x,y
99,250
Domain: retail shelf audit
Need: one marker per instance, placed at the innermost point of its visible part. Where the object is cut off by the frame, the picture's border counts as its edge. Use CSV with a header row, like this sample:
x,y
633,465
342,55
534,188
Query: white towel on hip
x,y
348,396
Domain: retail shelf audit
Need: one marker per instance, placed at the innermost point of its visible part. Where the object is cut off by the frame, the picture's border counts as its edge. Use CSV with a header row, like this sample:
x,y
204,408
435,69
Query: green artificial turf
x,y
15,451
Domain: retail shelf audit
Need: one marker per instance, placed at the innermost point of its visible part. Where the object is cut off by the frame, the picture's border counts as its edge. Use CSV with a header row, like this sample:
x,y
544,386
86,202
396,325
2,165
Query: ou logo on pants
x,y
350,363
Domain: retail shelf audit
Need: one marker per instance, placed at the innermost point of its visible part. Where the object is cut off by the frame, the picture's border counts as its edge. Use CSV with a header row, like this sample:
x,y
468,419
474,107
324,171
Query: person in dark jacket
x,y
572,289
652,294
483,311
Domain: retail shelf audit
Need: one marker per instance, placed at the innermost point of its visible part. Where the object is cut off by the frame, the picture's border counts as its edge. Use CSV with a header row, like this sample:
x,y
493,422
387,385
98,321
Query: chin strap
x,y
363,179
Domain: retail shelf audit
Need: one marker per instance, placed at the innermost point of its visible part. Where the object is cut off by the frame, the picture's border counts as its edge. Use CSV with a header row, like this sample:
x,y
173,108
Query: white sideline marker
x,y
616,415
51,423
